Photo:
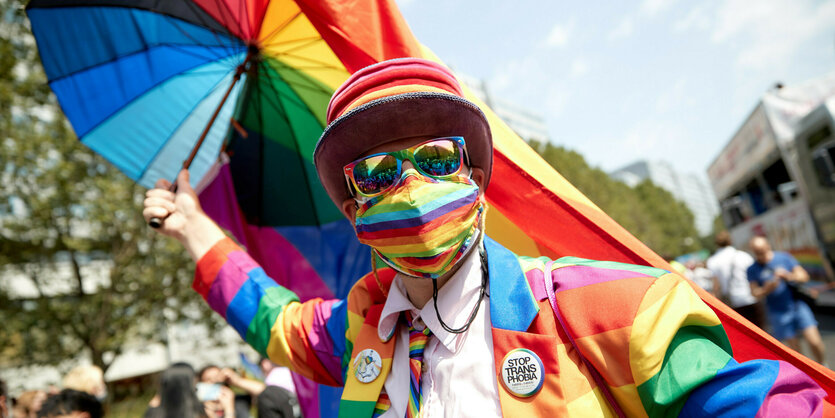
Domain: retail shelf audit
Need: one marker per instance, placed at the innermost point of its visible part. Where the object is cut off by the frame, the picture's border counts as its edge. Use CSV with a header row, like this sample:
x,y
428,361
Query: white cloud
x,y
556,101
579,67
560,33
623,29
770,32
654,7
696,19
674,98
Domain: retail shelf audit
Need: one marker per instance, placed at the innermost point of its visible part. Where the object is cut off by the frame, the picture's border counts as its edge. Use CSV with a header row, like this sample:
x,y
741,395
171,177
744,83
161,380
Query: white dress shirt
x,y
458,373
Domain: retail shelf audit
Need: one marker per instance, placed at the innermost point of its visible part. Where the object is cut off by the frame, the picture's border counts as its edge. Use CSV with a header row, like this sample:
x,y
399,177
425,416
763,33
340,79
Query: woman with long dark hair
x,y
177,394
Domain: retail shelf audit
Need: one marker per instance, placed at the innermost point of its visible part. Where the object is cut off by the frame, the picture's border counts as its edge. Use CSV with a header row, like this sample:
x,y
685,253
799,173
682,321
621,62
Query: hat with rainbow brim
x,y
393,100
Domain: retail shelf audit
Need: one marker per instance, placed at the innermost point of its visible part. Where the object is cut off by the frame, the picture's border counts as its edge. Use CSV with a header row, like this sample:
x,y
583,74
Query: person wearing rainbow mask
x,y
450,323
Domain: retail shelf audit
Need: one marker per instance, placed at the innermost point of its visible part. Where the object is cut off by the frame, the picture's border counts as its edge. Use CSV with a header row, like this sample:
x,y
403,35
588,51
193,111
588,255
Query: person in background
x,y
729,265
227,378
790,318
28,404
71,403
275,375
279,399
87,378
4,400
177,395
210,373
703,277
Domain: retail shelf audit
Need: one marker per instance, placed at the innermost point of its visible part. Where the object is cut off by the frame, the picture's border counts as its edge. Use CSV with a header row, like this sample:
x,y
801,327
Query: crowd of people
x,y
209,393
81,396
213,392
761,286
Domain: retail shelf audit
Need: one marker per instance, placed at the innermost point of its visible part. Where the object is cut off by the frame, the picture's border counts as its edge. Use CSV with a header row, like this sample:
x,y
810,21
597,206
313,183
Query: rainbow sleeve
x,y
679,361
306,337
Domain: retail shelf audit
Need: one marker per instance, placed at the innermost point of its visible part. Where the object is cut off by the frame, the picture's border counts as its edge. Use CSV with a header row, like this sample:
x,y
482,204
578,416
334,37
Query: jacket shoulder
x,y
603,266
370,289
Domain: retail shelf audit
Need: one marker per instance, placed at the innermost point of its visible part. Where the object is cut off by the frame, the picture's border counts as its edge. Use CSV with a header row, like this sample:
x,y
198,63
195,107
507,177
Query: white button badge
x,y
367,365
522,372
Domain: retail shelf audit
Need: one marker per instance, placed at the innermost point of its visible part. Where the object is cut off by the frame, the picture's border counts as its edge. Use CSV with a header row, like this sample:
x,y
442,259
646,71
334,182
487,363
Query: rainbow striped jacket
x,y
659,348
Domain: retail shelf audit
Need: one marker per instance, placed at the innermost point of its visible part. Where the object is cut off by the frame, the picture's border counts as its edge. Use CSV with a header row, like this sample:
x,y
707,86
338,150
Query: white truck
x,y
776,177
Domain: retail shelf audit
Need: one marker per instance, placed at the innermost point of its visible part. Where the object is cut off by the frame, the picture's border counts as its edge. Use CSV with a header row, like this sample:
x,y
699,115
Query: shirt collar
x,y
456,300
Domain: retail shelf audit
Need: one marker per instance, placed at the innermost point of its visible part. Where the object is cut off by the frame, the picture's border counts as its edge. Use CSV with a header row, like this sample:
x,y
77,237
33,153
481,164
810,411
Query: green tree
x,y
71,229
647,211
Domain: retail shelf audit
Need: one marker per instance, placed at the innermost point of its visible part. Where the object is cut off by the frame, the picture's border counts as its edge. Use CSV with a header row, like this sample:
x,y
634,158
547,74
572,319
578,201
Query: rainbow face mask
x,y
423,226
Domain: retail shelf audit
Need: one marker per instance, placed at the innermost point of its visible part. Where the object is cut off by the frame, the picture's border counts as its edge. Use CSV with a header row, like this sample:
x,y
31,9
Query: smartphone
x,y
208,391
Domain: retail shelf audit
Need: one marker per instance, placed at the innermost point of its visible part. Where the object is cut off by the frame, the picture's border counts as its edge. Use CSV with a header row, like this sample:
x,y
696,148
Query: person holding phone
x,y
790,318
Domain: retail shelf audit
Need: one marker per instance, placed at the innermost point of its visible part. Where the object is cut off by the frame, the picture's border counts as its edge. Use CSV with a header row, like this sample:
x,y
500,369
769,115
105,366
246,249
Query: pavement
x,y
826,325
825,314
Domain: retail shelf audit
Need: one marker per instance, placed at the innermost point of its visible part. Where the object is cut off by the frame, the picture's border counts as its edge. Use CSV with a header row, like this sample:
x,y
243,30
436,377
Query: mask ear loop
x,y
376,276
485,279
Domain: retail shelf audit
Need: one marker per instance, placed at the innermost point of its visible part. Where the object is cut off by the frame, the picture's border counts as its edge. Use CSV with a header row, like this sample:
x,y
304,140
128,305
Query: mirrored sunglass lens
x,y
438,158
375,173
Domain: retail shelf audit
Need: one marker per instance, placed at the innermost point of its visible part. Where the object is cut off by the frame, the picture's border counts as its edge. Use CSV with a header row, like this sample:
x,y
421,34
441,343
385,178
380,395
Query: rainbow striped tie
x,y
417,342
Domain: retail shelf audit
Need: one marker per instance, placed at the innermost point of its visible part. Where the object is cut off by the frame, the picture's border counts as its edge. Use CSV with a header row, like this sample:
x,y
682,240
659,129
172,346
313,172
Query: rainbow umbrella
x,y
147,83
156,85
151,84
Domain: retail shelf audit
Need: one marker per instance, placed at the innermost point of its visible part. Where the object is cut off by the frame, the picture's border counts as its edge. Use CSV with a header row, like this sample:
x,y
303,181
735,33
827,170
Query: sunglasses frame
x,y
400,156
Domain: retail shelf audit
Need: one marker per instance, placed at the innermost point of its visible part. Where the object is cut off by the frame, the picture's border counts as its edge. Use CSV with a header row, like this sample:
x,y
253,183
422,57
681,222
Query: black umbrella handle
x,y
157,222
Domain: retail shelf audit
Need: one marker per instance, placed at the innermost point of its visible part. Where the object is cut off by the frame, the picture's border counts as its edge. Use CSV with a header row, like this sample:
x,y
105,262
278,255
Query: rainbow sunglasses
x,y
375,174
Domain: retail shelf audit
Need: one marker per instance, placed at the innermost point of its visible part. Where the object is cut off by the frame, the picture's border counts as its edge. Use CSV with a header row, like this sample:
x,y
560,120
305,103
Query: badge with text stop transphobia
x,y
522,372
367,365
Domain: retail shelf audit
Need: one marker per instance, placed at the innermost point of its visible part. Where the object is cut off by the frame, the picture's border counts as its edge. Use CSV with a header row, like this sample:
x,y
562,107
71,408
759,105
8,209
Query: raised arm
x,y
302,336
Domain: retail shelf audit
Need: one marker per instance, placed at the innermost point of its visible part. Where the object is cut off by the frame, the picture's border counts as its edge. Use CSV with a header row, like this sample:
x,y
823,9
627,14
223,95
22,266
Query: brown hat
x,y
392,100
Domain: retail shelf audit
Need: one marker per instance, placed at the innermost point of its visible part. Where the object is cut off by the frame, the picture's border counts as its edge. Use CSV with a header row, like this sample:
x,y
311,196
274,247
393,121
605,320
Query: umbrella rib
x,y
226,45
301,159
276,105
212,58
111,114
242,7
320,64
260,202
290,41
223,15
310,86
281,27
196,9
176,128
279,94
117,58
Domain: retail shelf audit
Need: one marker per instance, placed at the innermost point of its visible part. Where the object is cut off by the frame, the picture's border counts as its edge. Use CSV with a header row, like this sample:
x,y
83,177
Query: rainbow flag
x,y
323,259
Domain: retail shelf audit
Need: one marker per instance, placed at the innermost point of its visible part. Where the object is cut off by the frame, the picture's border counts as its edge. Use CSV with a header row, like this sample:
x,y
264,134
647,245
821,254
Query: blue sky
x,y
622,81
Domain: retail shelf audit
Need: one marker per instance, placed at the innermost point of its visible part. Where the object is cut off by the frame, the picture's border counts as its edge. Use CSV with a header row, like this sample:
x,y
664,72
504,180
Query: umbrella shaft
x,y
197,145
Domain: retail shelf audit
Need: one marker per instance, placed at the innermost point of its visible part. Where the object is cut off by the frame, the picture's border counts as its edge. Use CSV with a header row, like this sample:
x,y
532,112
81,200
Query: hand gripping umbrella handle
x,y
157,222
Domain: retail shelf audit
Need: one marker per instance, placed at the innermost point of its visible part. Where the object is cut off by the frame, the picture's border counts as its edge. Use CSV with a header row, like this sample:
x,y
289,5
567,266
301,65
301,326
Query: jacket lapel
x,y
512,304
517,325
359,398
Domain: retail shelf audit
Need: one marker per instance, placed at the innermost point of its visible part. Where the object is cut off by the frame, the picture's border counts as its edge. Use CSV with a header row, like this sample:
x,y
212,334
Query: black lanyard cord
x,y
485,278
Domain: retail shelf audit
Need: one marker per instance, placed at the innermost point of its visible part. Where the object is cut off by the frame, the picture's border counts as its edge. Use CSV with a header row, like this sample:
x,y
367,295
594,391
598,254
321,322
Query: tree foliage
x,y
649,212
71,229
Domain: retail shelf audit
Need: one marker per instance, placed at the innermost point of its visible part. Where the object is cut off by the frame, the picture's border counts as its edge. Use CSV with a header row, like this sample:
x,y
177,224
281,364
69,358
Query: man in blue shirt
x,y
789,316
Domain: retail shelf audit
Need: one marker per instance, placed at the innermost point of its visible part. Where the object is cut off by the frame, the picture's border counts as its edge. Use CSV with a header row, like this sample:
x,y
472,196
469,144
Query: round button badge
x,y
367,365
522,372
